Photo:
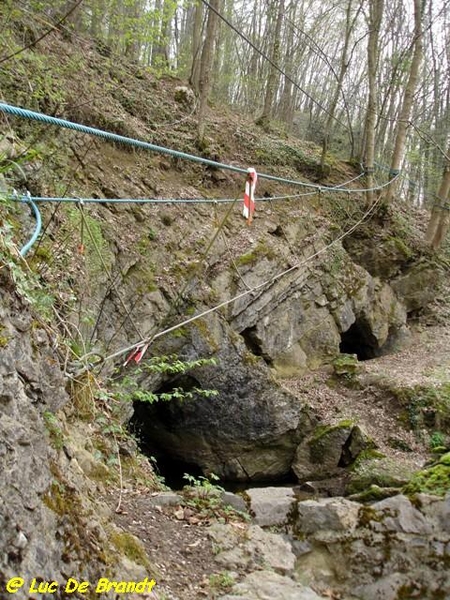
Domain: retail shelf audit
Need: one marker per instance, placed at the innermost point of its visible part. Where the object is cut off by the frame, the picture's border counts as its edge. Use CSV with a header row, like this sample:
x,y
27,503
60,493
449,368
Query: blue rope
x,y
35,116
29,200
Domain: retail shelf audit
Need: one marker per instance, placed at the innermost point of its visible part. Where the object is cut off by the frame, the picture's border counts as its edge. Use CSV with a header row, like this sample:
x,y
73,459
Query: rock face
x,y
390,549
266,585
271,506
251,547
30,384
50,523
252,430
328,450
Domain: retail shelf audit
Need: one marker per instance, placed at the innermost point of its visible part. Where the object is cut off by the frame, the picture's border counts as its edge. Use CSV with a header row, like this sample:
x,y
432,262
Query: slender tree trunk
x,y
405,112
375,17
440,215
273,79
194,79
344,64
206,62
288,97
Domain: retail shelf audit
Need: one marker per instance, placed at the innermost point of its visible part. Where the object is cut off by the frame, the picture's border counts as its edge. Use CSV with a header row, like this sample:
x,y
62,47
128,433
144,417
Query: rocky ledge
x,y
394,549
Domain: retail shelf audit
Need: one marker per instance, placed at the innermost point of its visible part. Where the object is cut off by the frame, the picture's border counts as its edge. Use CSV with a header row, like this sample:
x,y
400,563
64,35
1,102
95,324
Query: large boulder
x,y
328,450
271,506
373,468
251,547
391,549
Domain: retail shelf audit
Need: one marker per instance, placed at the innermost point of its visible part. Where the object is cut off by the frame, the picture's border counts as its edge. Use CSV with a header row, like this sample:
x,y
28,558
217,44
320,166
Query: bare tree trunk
x,y
440,215
160,54
288,96
206,62
344,64
194,79
405,112
273,79
375,17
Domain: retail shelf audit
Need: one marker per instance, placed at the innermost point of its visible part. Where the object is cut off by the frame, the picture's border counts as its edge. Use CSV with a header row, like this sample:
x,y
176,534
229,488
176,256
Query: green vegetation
x,y
204,495
346,367
131,547
261,250
437,440
54,429
26,283
434,479
128,389
374,468
221,581
93,245
426,406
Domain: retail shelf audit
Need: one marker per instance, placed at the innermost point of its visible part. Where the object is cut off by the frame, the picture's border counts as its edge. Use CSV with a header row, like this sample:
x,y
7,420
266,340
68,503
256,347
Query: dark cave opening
x,y
359,340
254,343
146,423
171,468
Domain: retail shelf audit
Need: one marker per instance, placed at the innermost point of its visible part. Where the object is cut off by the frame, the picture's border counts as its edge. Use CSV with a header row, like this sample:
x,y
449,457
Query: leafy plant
x,y
221,581
54,429
205,486
129,390
202,493
437,440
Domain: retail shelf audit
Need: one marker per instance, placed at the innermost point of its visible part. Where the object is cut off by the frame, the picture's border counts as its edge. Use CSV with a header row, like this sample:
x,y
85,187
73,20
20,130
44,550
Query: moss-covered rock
x,y
432,480
373,468
425,406
329,450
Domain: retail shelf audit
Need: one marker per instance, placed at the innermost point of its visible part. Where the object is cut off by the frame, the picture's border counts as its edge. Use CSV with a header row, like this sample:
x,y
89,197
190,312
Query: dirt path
x,y
424,361
178,547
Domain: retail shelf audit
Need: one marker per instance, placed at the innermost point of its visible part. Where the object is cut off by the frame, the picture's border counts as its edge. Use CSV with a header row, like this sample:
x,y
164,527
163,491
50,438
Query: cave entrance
x,y
359,340
143,425
254,344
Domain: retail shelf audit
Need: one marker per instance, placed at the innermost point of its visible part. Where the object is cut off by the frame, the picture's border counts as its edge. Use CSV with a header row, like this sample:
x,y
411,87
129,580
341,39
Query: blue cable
x,y
28,199
28,114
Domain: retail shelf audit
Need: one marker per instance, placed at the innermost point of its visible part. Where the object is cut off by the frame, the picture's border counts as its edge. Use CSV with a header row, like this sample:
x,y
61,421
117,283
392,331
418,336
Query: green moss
x,y
260,251
445,460
368,515
78,543
345,363
374,493
322,438
401,246
129,546
425,406
372,468
43,253
324,430
432,480
367,455
54,429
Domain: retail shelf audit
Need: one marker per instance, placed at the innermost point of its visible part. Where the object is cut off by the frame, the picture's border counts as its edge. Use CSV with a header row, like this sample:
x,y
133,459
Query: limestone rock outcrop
x,y
252,430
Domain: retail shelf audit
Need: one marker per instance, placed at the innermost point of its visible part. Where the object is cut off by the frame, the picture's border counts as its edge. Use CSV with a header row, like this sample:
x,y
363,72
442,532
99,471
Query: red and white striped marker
x,y
137,354
249,196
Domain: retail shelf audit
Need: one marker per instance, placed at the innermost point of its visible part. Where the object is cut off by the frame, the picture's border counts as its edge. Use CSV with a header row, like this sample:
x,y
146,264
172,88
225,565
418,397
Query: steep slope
x,y
110,275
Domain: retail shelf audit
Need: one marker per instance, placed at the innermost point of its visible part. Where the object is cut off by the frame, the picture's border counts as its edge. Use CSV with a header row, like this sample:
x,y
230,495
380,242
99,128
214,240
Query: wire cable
x,y
107,135
246,292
